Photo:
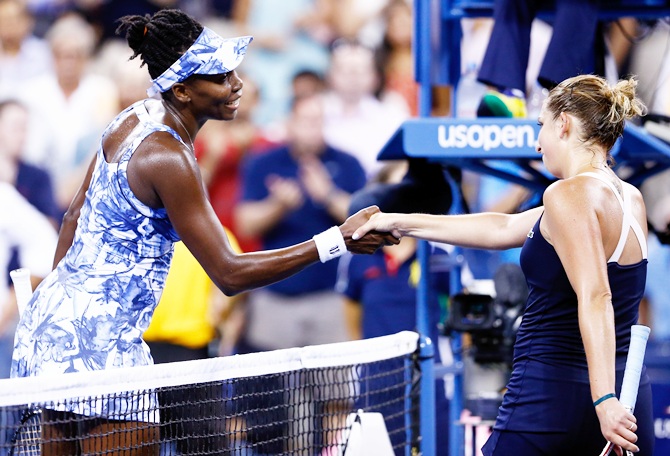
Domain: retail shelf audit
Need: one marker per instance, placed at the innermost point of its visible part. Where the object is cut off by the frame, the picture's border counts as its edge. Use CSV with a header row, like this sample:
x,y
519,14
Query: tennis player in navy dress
x,y
584,255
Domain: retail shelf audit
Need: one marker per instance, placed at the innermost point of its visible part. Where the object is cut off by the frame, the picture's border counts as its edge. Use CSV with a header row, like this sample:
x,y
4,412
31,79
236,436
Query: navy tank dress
x,y
547,409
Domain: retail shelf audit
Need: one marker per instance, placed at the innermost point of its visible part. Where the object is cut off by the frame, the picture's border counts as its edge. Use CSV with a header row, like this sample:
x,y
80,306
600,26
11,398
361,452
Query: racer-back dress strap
x,y
629,221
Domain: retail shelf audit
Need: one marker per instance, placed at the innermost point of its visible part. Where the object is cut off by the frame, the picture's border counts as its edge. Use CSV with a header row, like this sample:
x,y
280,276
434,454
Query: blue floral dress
x,y
91,311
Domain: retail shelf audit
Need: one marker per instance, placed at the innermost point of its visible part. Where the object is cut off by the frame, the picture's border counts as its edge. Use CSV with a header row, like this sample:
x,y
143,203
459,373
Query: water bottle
x,y
469,93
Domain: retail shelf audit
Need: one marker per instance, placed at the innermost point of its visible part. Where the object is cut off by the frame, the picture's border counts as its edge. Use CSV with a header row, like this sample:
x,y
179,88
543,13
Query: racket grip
x,y
22,287
634,361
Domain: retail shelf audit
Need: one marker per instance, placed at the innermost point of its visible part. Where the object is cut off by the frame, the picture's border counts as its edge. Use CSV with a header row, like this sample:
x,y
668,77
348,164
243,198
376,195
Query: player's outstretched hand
x,y
617,425
372,240
379,222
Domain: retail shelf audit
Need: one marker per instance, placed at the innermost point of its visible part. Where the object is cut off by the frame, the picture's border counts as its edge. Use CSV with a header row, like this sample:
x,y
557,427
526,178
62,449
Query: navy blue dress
x,y
547,407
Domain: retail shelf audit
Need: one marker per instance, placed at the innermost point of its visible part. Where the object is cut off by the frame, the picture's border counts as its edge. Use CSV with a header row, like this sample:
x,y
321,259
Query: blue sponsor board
x,y
476,143
502,148
446,138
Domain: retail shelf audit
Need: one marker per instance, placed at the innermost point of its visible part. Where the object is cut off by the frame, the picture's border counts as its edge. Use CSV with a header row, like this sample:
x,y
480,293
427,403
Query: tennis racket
x,y
22,287
631,376
27,440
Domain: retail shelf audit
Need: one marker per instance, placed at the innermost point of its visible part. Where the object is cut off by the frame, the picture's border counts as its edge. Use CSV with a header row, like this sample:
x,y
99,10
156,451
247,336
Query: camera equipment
x,y
491,321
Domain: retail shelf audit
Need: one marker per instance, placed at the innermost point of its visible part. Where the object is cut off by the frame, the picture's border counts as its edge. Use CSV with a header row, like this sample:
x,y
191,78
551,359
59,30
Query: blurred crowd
x,y
64,75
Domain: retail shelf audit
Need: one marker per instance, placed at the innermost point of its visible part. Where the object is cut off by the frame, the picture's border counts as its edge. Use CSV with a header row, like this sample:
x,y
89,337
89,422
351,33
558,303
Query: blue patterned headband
x,y
210,54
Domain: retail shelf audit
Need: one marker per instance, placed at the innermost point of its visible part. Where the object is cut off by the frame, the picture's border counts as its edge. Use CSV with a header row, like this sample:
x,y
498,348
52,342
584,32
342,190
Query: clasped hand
x,y
372,239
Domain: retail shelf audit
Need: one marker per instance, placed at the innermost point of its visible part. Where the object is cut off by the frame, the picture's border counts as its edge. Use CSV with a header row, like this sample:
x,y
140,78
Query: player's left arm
x,y
69,223
574,227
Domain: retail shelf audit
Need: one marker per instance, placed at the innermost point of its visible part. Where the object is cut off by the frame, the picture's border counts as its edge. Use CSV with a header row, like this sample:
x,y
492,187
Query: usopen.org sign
x,y
485,137
460,138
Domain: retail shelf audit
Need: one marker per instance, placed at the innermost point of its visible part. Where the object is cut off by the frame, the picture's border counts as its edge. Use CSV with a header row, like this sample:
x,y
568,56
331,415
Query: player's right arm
x,y
489,230
164,173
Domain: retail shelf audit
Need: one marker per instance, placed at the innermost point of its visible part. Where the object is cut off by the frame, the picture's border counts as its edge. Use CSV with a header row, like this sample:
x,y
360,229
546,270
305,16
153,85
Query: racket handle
x,y
22,287
631,376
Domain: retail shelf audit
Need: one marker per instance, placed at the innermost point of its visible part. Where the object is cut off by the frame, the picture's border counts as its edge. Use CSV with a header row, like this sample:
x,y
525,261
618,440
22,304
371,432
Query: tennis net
x,y
290,402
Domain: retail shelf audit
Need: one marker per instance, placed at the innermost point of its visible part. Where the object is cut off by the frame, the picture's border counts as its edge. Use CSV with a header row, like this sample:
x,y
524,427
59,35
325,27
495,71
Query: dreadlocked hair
x,y
160,39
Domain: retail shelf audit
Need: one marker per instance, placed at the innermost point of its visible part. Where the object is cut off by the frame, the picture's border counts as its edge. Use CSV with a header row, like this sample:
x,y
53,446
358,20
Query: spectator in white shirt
x,y
355,120
24,228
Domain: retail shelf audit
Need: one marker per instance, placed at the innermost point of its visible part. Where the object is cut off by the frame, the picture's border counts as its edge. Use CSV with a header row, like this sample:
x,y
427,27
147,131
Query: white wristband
x,y
330,244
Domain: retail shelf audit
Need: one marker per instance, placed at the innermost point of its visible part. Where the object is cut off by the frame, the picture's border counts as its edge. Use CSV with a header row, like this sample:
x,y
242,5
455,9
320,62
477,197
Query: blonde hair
x,y
601,108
